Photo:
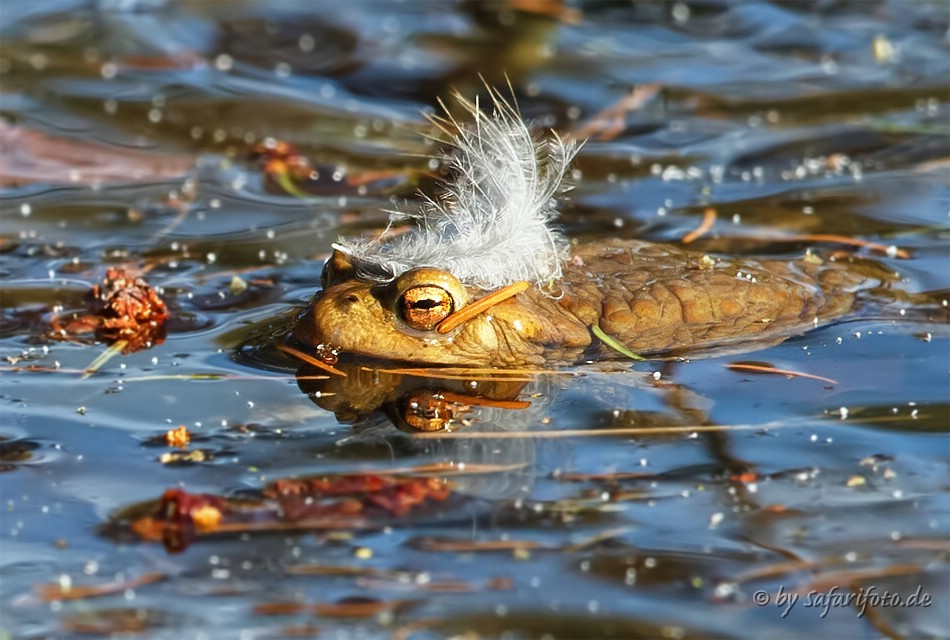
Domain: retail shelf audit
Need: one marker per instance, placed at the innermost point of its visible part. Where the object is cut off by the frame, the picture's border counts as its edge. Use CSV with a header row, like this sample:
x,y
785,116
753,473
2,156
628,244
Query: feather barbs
x,y
490,226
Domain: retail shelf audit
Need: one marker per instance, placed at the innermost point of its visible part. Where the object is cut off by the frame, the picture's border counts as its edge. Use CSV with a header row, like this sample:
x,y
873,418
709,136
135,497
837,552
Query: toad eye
x,y
425,297
425,306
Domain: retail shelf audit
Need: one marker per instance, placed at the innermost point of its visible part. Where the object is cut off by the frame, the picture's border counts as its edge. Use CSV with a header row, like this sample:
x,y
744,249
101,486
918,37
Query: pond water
x,y
613,499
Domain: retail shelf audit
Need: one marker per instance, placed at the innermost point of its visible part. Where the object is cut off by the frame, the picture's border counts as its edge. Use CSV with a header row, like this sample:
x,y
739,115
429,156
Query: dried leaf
x,y
124,311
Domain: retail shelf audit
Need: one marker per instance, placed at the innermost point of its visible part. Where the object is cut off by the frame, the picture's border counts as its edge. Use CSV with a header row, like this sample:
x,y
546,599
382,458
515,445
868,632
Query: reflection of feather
x,y
490,226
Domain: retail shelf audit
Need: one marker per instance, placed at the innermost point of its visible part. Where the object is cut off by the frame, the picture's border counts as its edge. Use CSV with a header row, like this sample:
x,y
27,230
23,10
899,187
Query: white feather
x,y
490,227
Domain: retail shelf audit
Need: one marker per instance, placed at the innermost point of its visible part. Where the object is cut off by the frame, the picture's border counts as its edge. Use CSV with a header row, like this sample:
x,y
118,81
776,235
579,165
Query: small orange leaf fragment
x,y
179,437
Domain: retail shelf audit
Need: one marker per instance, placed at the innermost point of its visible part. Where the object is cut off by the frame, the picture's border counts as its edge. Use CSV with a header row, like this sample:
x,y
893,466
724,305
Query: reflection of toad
x,y
401,297
452,405
412,403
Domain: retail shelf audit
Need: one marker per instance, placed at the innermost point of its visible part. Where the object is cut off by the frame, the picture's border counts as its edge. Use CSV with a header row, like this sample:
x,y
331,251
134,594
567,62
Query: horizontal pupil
x,y
427,303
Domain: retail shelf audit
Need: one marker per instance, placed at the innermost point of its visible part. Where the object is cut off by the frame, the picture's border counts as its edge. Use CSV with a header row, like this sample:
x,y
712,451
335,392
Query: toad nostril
x,y
352,298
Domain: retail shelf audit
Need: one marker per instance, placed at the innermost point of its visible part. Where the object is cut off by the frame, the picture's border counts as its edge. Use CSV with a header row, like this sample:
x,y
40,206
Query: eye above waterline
x,y
426,296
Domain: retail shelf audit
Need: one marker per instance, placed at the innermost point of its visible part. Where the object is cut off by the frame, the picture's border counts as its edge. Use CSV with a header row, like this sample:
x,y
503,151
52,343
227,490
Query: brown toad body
x,y
387,298
656,300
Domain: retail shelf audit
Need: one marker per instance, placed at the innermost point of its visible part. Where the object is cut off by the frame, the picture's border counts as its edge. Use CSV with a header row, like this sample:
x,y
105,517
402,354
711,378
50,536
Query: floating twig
x,y
758,368
468,372
111,351
597,538
188,377
709,219
591,433
60,592
610,122
468,546
311,360
468,312
481,401
903,254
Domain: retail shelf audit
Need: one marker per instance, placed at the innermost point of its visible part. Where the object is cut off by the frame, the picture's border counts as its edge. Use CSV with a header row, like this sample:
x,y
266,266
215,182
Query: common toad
x,y
388,297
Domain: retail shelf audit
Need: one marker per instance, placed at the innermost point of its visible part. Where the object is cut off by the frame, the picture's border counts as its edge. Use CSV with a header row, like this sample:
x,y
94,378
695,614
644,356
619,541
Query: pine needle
x,y
857,242
285,182
309,359
468,312
589,433
758,368
481,401
709,218
613,343
112,351
433,372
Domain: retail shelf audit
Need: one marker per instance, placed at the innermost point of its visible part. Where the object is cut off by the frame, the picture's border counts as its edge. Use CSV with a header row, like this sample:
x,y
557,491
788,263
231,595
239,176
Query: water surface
x,y
623,500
